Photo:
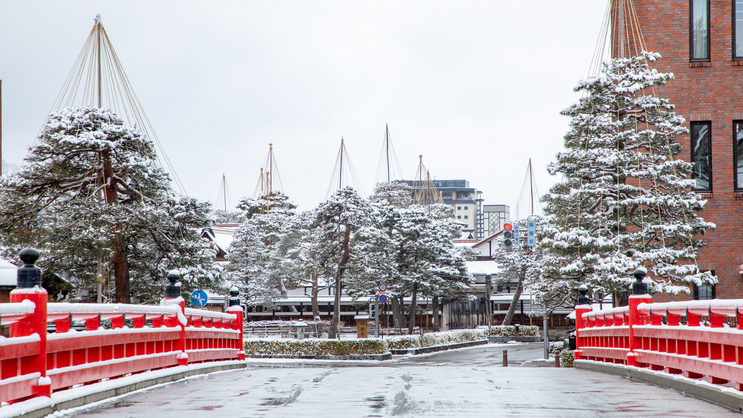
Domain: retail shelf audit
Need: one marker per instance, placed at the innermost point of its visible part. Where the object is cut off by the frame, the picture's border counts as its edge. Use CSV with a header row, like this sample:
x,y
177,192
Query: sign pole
x,y
376,318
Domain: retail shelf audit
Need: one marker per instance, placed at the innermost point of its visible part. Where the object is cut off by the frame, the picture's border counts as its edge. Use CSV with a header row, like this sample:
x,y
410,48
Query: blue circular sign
x,y
199,298
382,298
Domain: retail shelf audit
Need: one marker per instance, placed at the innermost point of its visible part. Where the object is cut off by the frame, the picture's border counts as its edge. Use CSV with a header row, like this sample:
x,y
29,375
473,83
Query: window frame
x,y
693,159
691,33
735,155
735,33
713,287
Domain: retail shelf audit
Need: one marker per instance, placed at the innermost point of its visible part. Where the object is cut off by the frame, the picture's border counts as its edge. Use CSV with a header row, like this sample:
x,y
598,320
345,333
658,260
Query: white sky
x,y
474,86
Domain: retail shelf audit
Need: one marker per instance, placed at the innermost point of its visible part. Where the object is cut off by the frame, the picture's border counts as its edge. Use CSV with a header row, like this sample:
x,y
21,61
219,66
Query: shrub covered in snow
x,y
566,358
438,338
510,331
315,347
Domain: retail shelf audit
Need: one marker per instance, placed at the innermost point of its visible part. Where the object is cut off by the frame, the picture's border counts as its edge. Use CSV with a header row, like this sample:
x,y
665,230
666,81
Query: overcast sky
x,y
475,87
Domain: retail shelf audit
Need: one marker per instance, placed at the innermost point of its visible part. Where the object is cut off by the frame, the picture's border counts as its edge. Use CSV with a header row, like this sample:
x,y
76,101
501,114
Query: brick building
x,y
701,42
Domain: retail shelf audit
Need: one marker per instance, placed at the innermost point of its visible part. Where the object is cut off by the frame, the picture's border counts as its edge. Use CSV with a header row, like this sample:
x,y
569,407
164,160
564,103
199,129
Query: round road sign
x,y
199,298
382,287
382,298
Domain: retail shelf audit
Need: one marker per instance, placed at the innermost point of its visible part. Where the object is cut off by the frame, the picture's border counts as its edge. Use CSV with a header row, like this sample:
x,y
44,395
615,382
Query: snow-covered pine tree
x,y
427,261
295,256
523,265
276,200
625,201
91,190
338,220
255,266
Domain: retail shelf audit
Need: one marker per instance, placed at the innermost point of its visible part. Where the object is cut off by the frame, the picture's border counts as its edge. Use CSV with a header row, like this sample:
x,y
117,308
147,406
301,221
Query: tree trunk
x,y
120,264
119,259
397,312
313,297
345,255
333,332
412,309
515,300
435,313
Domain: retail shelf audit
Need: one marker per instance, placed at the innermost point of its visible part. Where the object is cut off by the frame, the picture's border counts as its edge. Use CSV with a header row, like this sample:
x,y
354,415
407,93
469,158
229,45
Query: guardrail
x,y
699,339
118,340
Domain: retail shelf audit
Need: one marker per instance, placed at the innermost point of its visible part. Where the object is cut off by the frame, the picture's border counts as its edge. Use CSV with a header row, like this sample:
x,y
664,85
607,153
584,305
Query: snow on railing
x,y
608,317
686,337
11,313
134,339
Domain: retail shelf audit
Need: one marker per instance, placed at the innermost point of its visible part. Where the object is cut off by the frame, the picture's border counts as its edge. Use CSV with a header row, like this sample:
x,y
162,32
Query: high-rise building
x,y
459,195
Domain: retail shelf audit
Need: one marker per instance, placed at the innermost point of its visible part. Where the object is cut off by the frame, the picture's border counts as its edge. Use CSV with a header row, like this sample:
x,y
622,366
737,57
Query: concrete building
x,y
495,216
701,43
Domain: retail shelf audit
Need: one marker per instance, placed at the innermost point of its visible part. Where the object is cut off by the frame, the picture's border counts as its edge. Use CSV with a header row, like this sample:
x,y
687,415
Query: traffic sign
x,y
199,298
382,287
382,298
531,230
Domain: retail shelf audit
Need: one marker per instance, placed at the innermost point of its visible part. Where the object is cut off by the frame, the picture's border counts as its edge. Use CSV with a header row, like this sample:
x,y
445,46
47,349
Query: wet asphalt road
x,y
460,383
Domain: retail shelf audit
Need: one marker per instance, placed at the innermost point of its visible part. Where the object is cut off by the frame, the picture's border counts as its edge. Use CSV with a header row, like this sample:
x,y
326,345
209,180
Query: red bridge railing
x,y
136,338
699,339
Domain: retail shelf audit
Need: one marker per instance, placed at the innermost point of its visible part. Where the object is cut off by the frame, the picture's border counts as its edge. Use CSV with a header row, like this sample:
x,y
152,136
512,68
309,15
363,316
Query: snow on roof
x,y
482,267
223,236
490,238
508,297
8,273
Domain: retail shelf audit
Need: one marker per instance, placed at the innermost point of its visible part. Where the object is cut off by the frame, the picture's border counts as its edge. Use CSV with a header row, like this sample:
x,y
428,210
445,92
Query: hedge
x,y
510,331
315,347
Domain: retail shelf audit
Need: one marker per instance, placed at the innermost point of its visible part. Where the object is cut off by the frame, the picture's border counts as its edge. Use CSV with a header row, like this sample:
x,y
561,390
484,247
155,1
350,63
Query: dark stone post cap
x,y
234,299
638,287
583,299
29,275
173,290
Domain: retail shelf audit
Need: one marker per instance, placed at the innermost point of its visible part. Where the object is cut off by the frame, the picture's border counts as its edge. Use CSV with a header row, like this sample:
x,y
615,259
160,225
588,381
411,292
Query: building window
x,y
465,208
701,155
699,36
465,216
459,208
459,217
738,29
738,153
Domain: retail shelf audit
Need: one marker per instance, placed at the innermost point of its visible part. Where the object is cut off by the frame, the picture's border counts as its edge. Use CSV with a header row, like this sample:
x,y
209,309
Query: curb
x,y
43,406
524,339
435,348
384,356
721,395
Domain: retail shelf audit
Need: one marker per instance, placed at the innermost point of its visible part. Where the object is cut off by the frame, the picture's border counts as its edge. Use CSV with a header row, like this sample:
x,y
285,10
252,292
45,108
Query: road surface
x,y
461,383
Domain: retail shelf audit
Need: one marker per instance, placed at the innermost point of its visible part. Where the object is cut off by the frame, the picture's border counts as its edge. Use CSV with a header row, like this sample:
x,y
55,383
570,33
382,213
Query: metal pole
x,y
387,144
98,32
376,318
488,306
546,338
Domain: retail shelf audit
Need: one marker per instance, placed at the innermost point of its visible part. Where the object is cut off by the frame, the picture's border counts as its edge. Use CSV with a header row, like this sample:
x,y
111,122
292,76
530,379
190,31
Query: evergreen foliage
x,y
91,189
625,200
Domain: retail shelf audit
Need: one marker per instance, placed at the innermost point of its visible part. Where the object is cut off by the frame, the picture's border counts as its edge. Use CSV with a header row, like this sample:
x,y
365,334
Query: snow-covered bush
x,y
438,338
510,331
566,358
556,348
315,347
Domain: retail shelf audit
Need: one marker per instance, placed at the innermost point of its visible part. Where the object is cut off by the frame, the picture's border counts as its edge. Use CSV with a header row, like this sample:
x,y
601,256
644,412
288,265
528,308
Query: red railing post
x,y
173,297
29,288
583,307
236,309
639,295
